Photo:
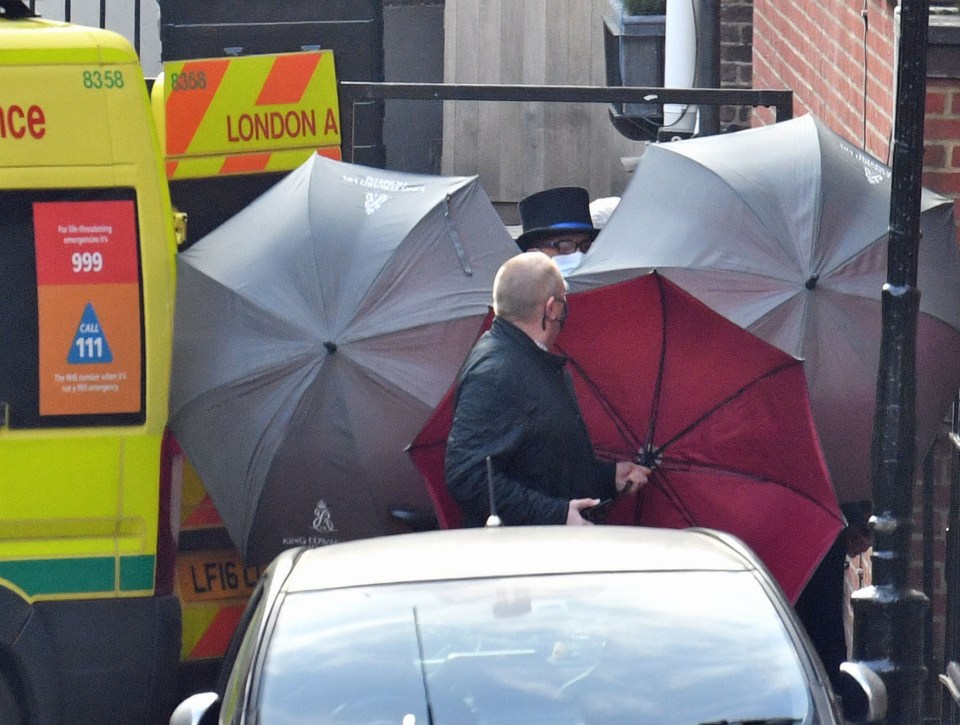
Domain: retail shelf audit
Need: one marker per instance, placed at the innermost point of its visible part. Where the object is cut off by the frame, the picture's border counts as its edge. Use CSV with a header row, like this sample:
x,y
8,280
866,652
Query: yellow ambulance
x,y
119,588
89,625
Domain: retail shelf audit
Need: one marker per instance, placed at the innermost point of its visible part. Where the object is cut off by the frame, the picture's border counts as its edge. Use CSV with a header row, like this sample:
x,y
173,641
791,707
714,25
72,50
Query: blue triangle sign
x,y
89,344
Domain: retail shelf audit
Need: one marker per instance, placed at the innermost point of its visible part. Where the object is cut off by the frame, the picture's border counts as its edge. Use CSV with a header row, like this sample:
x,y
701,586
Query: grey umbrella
x,y
315,332
783,230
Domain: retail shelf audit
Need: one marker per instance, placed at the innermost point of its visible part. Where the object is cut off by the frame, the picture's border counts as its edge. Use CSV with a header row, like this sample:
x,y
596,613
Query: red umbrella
x,y
721,416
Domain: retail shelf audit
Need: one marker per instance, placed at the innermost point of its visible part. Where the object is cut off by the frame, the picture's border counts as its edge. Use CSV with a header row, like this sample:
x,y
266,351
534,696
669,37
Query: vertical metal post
x,y
136,26
708,61
888,616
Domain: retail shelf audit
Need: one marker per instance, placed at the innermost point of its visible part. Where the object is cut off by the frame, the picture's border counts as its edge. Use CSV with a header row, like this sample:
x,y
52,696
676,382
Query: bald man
x,y
515,403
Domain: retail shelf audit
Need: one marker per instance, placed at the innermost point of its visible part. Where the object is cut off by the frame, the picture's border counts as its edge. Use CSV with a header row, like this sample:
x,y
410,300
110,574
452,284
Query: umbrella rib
x,y
662,483
455,238
618,420
733,396
647,452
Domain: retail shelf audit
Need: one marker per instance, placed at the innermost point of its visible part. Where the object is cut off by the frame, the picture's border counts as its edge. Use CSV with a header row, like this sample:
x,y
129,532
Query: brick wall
x,y
736,58
941,158
837,56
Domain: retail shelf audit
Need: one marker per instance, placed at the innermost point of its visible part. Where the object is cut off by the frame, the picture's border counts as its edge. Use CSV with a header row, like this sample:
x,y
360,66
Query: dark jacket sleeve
x,y
489,421
606,478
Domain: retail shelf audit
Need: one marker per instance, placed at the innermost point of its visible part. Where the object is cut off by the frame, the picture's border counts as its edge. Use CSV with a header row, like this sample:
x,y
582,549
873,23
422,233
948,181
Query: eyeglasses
x,y
568,245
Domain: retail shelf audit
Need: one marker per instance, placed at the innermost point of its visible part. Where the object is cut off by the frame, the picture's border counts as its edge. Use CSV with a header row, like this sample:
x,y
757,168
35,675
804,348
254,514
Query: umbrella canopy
x,y
315,332
722,417
783,230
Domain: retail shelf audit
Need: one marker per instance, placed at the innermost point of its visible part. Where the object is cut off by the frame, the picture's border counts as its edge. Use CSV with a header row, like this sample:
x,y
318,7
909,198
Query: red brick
x,y
942,128
946,182
936,102
934,156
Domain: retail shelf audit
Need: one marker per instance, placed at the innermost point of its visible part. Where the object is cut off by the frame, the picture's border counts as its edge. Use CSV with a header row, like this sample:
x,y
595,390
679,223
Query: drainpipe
x,y
679,67
889,616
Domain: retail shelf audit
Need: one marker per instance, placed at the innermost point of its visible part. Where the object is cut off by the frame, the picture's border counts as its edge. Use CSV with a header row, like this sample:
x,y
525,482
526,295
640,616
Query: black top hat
x,y
554,211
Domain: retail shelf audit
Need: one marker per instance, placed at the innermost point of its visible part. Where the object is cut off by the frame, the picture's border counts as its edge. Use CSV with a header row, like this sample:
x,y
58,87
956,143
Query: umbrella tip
x,y
812,282
330,345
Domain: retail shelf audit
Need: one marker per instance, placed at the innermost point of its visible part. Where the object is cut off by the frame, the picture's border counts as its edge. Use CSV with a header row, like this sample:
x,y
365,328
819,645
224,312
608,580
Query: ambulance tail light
x,y
171,478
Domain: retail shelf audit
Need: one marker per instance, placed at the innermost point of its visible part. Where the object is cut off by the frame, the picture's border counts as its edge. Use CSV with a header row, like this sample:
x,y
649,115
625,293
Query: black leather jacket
x,y
515,403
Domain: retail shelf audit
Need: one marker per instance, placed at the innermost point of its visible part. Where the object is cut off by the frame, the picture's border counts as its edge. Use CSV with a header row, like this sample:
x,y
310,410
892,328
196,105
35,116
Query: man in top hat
x,y
557,222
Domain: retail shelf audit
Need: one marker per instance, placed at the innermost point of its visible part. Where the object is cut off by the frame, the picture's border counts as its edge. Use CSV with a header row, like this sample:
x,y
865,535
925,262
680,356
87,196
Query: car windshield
x,y
665,647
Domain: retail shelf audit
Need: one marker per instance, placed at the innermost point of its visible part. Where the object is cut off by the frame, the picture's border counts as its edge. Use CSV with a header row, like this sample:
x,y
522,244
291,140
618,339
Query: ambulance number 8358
x,y
95,79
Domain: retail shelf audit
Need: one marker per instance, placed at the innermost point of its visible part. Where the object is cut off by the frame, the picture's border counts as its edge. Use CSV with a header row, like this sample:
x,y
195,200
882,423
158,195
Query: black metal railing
x,y
355,93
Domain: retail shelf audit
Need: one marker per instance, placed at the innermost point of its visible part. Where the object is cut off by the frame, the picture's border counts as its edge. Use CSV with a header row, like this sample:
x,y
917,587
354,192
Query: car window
x,y
239,657
665,647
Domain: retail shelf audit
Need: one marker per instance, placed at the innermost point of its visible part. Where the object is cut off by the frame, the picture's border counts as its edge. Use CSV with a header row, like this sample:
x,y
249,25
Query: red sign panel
x,y
86,242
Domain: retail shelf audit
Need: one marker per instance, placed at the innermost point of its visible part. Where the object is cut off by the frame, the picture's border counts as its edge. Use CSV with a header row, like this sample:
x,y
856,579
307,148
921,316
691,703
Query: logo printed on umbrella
x,y
322,520
376,182
873,170
372,202
873,177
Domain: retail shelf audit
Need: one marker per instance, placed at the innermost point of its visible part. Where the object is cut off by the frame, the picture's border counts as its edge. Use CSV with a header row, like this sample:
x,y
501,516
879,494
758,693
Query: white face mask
x,y
568,262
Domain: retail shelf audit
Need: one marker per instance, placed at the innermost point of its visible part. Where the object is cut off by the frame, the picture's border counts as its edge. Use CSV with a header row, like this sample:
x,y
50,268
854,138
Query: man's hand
x,y
631,477
573,511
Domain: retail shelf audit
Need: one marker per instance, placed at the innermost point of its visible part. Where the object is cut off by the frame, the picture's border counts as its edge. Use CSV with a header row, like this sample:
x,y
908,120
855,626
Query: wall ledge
x,y
943,45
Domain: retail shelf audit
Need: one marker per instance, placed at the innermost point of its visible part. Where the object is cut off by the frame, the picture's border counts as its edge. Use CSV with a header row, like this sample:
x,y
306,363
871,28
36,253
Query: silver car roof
x,y
515,551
